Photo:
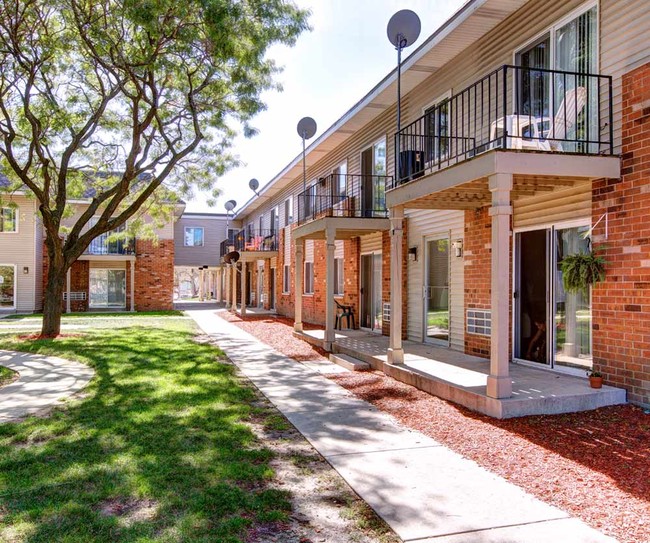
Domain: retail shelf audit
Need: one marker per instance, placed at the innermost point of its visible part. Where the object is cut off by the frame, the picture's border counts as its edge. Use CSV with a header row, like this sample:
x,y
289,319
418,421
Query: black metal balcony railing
x,y
256,240
344,195
511,108
103,245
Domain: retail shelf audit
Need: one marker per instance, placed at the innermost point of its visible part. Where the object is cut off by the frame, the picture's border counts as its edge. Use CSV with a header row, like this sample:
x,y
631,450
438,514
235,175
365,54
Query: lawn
x,y
6,375
156,450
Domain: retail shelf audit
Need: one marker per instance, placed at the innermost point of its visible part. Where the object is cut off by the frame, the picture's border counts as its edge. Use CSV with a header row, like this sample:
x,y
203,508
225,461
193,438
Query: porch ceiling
x,y
341,227
252,256
465,185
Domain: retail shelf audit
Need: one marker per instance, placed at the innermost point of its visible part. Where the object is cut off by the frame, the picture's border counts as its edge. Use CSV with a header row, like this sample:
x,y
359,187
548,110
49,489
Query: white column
x,y
395,348
227,276
68,281
233,280
330,311
243,288
499,383
201,285
132,289
297,298
218,285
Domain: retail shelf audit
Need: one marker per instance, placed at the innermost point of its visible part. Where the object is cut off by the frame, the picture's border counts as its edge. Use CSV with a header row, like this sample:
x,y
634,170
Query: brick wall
x,y
154,275
284,302
385,277
80,282
478,263
621,305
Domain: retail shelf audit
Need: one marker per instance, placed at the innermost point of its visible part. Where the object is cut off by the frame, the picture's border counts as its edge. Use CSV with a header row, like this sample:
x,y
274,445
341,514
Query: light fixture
x,y
306,130
458,247
403,31
26,270
413,253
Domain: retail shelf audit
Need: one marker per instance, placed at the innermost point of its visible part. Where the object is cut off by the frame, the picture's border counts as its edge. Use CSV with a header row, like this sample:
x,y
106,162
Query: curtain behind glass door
x,y
437,290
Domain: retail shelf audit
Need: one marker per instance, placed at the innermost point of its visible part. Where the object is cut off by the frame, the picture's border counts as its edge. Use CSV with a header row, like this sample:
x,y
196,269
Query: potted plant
x,y
595,379
581,270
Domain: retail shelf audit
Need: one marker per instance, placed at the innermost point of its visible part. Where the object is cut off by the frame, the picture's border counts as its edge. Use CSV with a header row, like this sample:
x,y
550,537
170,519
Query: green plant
x,y
593,373
581,270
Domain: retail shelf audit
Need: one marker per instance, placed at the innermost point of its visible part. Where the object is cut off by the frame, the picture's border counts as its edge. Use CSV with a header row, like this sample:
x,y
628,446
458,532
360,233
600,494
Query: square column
x,y
217,285
226,286
68,281
201,285
395,349
243,289
499,383
297,298
330,311
233,285
132,266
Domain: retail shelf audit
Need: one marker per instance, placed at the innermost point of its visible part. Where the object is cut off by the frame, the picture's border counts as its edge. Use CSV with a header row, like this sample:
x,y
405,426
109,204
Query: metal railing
x,y
344,195
104,245
511,108
254,240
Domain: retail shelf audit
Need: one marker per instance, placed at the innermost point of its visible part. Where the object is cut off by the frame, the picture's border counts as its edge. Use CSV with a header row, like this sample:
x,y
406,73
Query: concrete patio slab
x,y
43,382
424,491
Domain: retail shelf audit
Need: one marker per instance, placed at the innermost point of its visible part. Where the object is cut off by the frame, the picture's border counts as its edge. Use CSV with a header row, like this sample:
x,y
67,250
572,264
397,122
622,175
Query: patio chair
x,y
566,116
347,312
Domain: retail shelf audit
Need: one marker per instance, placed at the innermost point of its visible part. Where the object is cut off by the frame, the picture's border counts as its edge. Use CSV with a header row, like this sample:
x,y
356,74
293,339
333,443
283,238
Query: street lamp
x,y
306,130
403,30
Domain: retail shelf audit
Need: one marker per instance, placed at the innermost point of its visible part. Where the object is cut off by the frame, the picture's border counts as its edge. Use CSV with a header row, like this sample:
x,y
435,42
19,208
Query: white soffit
x,y
471,22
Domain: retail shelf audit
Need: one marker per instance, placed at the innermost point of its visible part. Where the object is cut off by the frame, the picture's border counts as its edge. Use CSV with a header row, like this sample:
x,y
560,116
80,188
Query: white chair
x,y
524,132
566,116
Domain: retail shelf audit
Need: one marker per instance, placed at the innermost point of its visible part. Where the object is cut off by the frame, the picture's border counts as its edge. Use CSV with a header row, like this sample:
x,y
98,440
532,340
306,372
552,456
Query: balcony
x,y
344,195
513,108
253,241
105,246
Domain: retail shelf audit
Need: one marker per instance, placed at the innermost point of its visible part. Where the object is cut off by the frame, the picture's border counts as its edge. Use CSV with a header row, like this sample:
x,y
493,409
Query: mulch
x,y
594,465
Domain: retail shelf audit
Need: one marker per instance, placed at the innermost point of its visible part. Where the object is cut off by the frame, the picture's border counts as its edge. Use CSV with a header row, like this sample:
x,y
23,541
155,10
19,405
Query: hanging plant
x,y
581,270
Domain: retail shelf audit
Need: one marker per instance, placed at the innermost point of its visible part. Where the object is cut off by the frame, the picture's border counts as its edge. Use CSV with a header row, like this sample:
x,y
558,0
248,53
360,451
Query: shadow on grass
x,y
162,423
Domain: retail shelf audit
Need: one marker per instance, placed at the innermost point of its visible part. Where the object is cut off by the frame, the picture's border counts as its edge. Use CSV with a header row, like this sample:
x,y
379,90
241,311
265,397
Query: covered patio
x,y
463,379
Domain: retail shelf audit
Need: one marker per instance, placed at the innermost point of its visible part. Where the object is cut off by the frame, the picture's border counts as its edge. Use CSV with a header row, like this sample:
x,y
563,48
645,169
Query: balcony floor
x,y
462,378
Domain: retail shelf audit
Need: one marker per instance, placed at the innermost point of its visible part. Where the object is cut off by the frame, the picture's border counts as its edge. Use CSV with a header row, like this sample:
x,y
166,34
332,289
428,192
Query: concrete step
x,y
348,362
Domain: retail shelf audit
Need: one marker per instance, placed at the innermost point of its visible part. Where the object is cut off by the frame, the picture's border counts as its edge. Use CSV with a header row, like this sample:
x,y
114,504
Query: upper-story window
x,y
288,212
194,236
341,179
8,219
275,220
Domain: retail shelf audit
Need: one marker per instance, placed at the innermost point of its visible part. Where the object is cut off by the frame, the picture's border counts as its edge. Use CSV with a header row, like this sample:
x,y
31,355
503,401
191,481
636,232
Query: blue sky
x,y
325,73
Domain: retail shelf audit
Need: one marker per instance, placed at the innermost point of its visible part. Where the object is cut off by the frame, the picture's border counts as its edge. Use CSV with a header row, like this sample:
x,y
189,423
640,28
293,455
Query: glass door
x,y
107,288
436,291
571,311
373,170
371,295
7,287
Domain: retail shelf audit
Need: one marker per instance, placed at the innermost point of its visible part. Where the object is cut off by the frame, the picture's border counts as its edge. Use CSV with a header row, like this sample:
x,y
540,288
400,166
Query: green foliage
x,y
156,449
581,270
6,375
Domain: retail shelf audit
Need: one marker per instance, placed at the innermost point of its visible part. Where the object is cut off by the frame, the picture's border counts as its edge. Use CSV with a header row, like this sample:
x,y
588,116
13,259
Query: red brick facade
x,y
154,275
621,305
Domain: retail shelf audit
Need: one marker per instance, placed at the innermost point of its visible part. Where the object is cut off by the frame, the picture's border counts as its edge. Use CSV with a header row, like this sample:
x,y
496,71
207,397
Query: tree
x,y
126,102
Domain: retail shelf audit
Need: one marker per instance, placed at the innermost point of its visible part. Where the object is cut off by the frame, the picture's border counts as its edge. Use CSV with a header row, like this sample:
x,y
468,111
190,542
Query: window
x,y
338,277
107,288
373,170
232,233
288,212
309,278
7,286
275,220
193,236
340,180
437,131
286,279
261,225
308,203
8,219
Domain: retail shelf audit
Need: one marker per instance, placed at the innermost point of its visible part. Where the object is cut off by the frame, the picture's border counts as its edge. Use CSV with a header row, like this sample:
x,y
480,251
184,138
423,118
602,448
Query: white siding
x,y
555,206
423,224
371,243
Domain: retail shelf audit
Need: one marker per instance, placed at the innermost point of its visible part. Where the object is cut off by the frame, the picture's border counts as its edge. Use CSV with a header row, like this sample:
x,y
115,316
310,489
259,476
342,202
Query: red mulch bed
x,y
35,337
594,465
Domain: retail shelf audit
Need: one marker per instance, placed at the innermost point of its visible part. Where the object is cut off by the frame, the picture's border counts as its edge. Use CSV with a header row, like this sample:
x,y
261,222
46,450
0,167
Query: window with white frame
x,y
309,278
8,219
286,279
194,236
341,180
338,277
288,212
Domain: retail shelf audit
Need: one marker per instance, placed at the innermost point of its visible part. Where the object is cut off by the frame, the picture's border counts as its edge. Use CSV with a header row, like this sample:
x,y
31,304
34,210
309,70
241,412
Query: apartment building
x,y
115,272
523,140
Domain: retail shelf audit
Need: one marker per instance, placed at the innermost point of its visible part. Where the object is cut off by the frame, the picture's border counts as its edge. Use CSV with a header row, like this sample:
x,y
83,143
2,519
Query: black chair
x,y
347,312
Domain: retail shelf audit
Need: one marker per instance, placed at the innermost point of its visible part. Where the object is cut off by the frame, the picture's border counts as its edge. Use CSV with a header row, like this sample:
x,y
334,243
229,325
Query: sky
x,y
327,71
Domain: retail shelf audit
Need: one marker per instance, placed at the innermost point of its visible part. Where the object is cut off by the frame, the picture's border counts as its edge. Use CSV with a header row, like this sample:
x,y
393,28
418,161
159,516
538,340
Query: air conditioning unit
x,y
411,165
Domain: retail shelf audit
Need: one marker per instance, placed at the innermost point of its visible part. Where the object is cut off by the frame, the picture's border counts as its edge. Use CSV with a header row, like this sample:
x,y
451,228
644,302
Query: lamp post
x,y
306,130
403,30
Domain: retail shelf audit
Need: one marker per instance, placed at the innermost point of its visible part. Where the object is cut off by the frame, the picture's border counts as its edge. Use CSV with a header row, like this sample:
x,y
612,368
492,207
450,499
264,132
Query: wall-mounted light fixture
x,y
413,253
26,270
458,247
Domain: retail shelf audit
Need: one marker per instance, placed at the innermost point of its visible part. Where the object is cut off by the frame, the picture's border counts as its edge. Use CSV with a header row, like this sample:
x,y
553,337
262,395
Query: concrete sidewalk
x,y
44,381
424,491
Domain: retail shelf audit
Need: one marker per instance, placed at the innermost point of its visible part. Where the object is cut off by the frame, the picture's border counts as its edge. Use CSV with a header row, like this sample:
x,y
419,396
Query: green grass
x,y
6,375
157,451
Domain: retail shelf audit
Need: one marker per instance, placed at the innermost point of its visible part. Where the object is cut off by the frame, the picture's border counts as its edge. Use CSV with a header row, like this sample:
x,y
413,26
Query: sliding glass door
x,y
107,288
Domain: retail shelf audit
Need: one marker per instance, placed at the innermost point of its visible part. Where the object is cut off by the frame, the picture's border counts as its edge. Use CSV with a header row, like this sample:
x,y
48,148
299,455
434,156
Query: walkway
x,y
44,381
424,491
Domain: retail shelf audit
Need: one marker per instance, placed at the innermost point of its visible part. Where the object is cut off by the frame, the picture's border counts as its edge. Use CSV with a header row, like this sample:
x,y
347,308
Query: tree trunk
x,y
53,303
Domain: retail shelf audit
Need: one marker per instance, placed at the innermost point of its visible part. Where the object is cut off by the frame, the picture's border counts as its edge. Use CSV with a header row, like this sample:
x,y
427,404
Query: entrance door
x,y
7,287
373,188
107,288
260,287
552,327
436,291
371,300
